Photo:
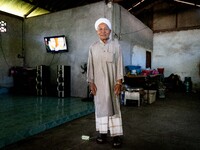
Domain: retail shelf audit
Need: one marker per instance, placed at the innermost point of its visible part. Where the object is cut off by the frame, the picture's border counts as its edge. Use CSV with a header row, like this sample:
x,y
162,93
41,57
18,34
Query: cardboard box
x,y
152,96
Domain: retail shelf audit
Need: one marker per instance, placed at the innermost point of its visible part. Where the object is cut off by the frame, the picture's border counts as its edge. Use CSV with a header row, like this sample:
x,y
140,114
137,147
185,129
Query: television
x,y
56,44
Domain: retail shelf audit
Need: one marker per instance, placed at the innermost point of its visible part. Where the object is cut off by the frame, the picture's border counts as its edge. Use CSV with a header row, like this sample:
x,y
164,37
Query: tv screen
x,y
56,44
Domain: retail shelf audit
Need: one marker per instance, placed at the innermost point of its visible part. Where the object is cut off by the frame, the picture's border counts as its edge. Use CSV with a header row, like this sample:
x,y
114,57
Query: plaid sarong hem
x,y
110,123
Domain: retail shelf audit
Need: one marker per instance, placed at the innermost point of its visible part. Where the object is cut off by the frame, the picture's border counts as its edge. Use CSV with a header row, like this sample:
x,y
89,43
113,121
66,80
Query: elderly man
x,y
105,75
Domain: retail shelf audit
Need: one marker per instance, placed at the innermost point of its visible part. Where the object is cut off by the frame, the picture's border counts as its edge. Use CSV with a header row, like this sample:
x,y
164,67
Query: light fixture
x,y
188,3
136,5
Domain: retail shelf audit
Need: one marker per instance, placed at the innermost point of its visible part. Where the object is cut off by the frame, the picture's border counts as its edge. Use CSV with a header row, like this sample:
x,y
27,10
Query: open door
x,y
148,59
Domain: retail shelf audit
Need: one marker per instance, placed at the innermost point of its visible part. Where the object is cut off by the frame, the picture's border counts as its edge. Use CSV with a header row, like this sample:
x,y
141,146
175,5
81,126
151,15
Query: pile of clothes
x,y
173,83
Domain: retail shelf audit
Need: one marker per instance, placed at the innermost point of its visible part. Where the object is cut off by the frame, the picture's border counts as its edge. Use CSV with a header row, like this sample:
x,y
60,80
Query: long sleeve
x,y
90,67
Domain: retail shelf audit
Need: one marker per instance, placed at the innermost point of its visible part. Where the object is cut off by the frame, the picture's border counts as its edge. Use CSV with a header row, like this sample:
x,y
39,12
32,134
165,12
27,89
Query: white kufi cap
x,y
102,20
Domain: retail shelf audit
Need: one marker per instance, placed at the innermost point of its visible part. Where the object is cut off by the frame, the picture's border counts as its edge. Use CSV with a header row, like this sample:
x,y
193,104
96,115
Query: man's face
x,y
103,32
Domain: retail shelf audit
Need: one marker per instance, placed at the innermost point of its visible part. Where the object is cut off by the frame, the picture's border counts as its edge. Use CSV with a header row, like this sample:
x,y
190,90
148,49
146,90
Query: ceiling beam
x,y
194,3
30,11
144,6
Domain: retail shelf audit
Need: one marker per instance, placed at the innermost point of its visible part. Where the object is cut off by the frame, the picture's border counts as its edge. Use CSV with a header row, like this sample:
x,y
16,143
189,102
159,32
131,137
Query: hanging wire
x,y
51,63
52,60
134,31
146,27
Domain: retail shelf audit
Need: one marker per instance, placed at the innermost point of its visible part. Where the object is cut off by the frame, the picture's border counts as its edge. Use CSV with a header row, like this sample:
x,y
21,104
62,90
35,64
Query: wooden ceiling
x,y
142,9
136,7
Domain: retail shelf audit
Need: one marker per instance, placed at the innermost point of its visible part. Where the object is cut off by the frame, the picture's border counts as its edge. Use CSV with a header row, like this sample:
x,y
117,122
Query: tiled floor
x,y
172,123
24,116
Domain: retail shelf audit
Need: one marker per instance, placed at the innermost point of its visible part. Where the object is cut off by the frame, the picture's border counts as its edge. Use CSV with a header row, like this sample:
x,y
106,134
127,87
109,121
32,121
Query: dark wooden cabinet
x,y
24,80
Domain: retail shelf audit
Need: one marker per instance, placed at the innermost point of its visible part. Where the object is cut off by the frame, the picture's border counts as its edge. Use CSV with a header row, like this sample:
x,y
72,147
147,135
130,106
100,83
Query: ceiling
x,y
139,8
132,5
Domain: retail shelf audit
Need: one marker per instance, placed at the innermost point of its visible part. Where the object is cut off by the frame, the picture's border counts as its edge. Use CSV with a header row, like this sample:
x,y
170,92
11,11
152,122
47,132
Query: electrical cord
x,y
52,60
144,28
51,63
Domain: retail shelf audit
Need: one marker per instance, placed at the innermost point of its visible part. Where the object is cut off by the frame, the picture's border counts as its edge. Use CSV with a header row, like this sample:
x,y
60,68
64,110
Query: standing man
x,y
105,75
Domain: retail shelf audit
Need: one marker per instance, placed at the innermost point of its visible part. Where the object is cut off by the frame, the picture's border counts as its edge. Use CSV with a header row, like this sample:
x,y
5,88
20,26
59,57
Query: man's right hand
x,y
93,88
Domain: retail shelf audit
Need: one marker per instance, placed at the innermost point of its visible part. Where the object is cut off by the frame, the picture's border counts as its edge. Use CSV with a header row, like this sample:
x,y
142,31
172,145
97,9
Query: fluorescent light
x,y
184,2
136,5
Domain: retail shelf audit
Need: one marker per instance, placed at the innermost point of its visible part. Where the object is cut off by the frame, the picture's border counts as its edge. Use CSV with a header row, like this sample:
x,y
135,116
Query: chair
x,y
135,95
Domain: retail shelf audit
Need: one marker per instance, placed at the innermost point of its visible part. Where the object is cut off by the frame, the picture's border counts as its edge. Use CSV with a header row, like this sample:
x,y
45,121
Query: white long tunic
x,y
105,67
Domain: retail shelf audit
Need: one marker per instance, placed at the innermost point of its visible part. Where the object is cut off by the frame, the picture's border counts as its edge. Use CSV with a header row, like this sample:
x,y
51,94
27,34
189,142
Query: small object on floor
x,y
117,142
101,139
85,137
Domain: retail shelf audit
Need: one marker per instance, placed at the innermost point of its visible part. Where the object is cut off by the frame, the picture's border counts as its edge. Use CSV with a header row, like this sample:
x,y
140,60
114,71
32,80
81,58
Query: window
x,y
3,26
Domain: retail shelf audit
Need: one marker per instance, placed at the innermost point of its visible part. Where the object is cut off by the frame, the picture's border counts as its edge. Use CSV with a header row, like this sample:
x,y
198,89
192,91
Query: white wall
x,y
134,33
178,53
139,56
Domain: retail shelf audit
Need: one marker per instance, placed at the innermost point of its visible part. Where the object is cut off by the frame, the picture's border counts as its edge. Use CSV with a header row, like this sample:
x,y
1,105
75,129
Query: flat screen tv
x,y
56,44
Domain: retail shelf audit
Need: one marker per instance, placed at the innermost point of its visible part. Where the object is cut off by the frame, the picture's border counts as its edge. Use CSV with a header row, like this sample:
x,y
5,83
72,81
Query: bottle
x,y
188,84
122,97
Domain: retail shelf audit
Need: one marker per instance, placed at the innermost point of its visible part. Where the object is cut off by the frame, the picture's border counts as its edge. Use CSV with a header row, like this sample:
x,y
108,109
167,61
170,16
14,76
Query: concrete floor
x,y
172,123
